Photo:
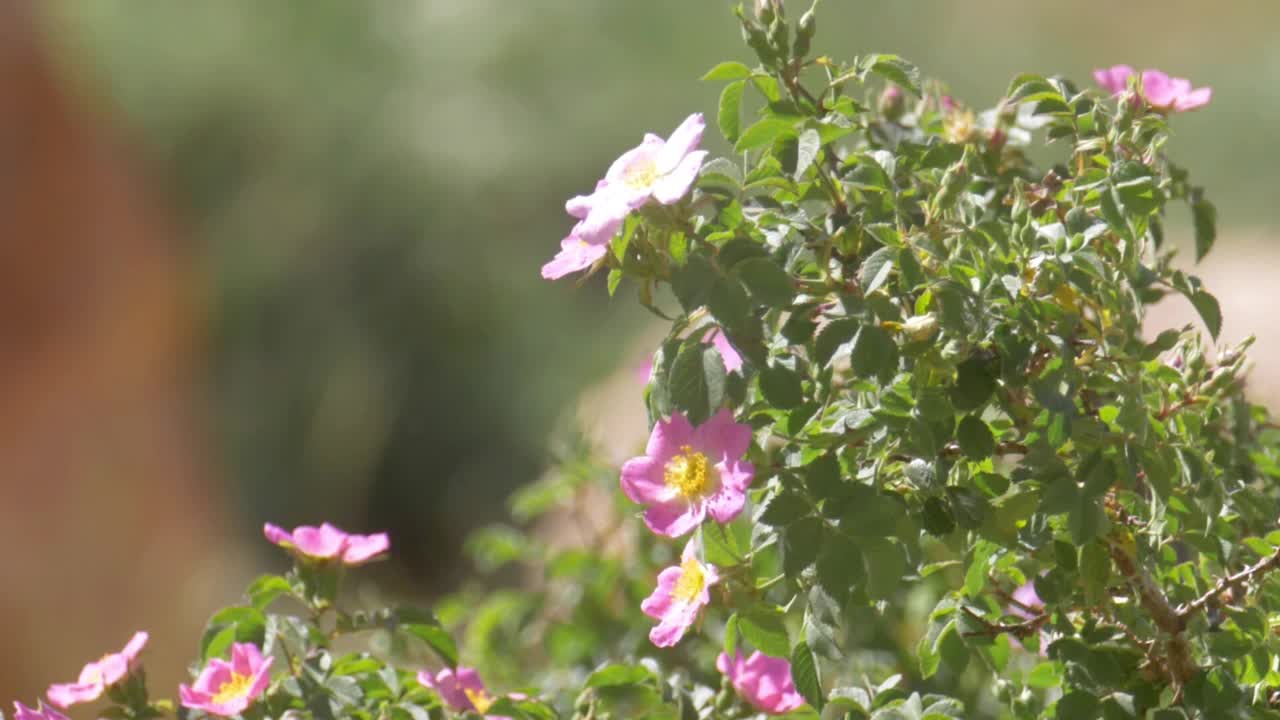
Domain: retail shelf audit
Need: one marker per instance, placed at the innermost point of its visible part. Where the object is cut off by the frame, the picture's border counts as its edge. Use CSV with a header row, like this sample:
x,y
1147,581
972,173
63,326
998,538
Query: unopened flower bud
x,y
767,10
891,104
921,327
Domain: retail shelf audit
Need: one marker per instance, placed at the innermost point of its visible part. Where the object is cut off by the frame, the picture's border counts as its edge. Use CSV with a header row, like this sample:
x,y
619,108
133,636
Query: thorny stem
x,y
1261,567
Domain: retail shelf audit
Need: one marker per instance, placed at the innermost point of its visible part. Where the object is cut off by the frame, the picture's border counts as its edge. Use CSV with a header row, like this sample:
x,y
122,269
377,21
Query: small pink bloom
x,y
461,690
1163,93
227,688
659,169
96,677
328,542
1115,79
681,594
22,712
688,472
1028,601
764,681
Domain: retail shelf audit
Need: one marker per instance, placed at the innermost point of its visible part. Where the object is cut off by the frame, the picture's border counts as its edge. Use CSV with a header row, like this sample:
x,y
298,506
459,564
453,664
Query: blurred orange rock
x,y
107,515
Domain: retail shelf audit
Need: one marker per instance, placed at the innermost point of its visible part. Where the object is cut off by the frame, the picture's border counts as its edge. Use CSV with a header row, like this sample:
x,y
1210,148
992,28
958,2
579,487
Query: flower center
x,y
692,581
688,473
237,686
479,699
640,175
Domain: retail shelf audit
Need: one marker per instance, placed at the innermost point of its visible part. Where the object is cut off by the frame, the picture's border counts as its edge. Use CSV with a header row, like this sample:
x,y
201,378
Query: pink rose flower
x,y
659,169
763,681
227,688
1163,93
22,712
679,597
328,542
96,677
688,472
461,690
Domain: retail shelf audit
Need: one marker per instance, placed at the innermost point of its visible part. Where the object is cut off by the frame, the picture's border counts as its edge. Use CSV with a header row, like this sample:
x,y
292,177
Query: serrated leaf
x,y
697,383
764,133
975,438
1205,217
876,268
804,673
781,386
1210,311
767,282
764,629
807,147
896,69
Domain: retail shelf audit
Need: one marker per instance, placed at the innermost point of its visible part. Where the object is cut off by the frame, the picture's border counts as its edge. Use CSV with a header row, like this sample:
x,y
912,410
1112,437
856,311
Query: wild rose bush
x,y
911,452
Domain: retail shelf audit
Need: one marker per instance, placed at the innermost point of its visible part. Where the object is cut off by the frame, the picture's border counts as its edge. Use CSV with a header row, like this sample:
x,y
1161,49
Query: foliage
x,y
980,491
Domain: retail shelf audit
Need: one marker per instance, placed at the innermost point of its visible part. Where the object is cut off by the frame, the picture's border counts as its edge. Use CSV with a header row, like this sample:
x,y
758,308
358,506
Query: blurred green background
x,y
370,189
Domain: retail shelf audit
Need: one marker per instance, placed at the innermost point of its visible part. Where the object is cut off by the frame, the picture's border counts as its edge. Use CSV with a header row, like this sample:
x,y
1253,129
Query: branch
x,y
1152,599
1261,567
1019,630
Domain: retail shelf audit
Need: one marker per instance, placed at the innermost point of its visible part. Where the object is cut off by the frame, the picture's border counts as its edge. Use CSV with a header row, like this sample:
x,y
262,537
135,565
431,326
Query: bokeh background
x,y
279,261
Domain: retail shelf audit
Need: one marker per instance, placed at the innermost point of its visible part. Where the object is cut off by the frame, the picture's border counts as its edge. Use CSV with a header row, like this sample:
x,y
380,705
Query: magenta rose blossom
x,y
1163,93
763,681
679,597
688,472
96,677
328,542
659,169
227,688
22,712
461,690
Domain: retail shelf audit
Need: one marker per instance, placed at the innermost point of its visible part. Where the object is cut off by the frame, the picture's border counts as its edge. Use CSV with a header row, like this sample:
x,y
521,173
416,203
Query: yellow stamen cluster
x,y
692,580
479,699
641,175
237,686
688,473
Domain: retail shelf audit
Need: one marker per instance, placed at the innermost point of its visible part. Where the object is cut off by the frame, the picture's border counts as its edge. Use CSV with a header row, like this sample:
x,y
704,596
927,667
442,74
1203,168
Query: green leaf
x,y
804,673
767,282
1205,216
692,282
1210,311
764,629
781,386
873,353
731,635
728,303
263,591
974,384
1095,571
886,565
764,133
783,508
729,116
832,336
892,67
697,383
875,269
614,675
807,147
729,70
975,438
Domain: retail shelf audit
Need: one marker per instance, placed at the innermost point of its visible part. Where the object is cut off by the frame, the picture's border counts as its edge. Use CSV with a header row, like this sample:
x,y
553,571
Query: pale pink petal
x,y
736,474
22,712
679,618
659,602
110,668
625,172
642,481
732,360
1158,89
672,186
317,542
683,141
261,679
721,438
1114,79
675,518
574,255
579,205
668,437
216,674
604,220
365,547
277,535
135,646
1195,99
726,505
245,658
65,695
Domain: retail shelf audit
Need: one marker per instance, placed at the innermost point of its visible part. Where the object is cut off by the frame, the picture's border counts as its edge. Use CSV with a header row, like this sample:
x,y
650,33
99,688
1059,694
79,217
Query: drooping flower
x,y
227,688
97,676
22,712
1162,92
681,594
763,681
462,690
659,169
328,542
688,472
